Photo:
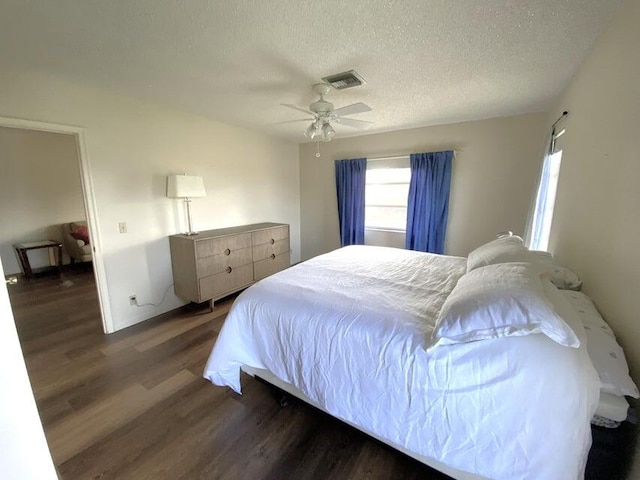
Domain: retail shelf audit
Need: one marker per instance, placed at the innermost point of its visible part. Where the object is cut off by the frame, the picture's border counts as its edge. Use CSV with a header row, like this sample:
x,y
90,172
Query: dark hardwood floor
x,y
134,405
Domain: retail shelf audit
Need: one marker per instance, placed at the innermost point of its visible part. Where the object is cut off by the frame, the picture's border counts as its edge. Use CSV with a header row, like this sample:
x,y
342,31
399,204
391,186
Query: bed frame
x,y
269,377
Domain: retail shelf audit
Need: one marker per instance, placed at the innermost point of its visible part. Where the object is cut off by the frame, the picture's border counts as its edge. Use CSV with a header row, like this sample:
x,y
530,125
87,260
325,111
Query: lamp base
x,y
191,233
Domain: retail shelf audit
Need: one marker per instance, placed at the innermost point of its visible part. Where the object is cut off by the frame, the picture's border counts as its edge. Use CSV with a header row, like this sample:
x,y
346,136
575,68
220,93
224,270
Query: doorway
x,y
73,202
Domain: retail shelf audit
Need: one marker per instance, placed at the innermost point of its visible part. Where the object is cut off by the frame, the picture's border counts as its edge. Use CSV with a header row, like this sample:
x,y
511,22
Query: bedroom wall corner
x,y
595,228
493,179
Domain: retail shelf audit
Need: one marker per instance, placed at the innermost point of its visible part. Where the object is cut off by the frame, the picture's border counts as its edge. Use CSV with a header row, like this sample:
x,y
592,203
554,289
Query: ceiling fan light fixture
x,y
312,131
327,132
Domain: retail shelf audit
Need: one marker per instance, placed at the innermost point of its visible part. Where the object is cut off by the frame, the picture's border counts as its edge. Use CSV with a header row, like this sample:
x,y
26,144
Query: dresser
x,y
217,263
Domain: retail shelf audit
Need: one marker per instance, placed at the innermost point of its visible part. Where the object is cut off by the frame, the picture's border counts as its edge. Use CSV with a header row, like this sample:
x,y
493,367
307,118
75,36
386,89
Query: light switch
x,y
122,227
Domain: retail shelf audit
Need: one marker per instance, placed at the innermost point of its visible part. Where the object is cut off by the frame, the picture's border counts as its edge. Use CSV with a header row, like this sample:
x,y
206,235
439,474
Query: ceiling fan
x,y
324,115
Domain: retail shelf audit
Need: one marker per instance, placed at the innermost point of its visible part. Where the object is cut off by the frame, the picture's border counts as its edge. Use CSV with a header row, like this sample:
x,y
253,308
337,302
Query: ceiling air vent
x,y
344,80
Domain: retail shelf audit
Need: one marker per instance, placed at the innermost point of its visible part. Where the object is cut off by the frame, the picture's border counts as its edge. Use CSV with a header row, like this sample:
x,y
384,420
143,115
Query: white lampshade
x,y
185,186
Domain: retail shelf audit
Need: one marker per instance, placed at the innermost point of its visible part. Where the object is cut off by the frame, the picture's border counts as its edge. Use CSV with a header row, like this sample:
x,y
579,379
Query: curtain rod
x,y
564,114
393,157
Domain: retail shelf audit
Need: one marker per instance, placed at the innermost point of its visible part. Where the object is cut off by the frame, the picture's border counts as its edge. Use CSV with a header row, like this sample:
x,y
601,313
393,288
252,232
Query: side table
x,y
23,248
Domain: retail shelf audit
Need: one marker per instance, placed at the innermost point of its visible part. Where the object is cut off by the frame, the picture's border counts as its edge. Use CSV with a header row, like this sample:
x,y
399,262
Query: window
x,y
386,193
545,201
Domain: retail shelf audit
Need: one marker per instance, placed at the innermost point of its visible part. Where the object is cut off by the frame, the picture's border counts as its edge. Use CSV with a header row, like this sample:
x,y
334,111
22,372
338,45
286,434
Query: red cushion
x,y
81,233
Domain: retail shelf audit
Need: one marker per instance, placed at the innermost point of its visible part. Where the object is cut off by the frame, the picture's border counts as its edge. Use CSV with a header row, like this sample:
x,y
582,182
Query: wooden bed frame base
x,y
269,377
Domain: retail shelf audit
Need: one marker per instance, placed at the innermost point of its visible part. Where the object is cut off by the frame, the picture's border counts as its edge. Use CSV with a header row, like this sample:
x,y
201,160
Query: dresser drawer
x,y
214,286
218,263
219,246
269,266
200,262
260,252
270,235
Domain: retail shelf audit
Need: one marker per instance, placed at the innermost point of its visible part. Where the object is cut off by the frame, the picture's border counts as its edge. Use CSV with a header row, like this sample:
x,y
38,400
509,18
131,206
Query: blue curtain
x,y
428,204
350,185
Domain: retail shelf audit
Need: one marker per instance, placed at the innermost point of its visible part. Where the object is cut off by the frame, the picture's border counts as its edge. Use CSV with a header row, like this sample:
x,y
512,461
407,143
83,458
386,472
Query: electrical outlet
x,y
133,299
122,227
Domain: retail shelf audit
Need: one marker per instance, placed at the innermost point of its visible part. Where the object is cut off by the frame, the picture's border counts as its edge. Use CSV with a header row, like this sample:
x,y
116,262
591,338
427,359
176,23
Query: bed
x,y
349,332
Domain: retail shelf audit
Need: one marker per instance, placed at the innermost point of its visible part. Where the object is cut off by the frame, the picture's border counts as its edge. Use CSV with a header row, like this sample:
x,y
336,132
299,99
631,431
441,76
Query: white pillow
x,y
606,354
562,277
563,308
500,250
512,249
501,300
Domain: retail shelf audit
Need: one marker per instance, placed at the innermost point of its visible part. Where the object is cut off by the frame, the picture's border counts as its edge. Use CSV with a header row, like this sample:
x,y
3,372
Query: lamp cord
x,y
154,304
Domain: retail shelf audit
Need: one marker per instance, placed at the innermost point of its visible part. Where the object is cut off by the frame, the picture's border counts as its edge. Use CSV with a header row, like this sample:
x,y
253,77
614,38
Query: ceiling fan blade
x,y
300,109
352,122
293,121
352,109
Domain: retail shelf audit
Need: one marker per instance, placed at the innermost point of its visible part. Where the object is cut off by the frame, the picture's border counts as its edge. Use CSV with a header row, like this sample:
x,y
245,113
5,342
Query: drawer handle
x,y
273,255
229,269
272,241
227,252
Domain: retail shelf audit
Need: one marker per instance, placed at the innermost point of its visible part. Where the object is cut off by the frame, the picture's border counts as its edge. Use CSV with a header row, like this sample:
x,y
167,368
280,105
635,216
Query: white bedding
x,y
612,407
351,329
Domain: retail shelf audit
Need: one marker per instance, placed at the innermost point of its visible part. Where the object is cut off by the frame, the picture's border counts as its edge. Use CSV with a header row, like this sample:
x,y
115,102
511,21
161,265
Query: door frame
x,y
88,194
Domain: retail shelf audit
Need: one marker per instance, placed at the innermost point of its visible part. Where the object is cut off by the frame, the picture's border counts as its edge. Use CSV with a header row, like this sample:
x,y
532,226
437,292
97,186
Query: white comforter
x,y
351,330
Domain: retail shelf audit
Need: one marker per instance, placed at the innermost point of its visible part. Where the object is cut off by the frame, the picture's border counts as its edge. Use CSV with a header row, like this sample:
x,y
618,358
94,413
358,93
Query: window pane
x,y
386,198
386,217
389,195
389,175
545,202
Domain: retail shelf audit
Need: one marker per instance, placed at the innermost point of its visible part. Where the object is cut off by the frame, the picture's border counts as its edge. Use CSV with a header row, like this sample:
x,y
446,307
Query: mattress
x,y
611,406
350,330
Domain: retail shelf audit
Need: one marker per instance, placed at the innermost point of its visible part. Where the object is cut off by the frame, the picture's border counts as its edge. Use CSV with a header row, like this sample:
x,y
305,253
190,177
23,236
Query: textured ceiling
x,y
426,61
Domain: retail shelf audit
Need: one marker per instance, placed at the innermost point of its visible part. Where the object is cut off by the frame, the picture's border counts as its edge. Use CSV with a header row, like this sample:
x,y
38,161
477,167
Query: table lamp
x,y
187,187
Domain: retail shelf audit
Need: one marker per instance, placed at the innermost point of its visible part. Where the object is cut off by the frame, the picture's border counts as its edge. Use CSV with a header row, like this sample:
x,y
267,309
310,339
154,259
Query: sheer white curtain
x,y
540,216
545,203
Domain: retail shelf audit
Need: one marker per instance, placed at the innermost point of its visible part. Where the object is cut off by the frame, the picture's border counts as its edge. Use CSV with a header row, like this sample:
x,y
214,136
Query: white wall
x,y
596,226
24,453
384,238
596,223
494,175
39,190
132,146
